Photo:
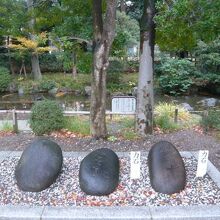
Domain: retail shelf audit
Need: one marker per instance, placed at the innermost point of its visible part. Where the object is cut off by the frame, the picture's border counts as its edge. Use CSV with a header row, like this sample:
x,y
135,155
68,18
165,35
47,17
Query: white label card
x,y
135,168
202,163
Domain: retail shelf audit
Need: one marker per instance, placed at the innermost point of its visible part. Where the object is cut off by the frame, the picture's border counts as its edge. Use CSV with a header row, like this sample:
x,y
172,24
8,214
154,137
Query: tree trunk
x,y
9,57
145,97
34,55
123,6
104,33
35,66
10,62
74,71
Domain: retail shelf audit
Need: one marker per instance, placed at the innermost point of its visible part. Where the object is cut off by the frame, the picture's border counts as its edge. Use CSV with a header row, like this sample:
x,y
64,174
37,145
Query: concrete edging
x,y
202,212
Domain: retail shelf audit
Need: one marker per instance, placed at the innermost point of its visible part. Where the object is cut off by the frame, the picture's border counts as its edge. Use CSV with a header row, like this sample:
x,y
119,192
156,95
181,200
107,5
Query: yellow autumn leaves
x,y
32,45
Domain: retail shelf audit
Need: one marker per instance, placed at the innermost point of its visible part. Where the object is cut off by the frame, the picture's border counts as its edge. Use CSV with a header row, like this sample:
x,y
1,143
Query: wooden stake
x,y
176,115
15,121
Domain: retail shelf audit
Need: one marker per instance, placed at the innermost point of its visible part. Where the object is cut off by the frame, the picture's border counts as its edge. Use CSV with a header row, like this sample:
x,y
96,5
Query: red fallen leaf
x,y
108,203
120,187
157,130
6,133
93,203
198,129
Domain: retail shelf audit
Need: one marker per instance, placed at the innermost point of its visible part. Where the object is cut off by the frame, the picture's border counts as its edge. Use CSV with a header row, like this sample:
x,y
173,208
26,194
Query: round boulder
x,y
99,172
39,165
166,168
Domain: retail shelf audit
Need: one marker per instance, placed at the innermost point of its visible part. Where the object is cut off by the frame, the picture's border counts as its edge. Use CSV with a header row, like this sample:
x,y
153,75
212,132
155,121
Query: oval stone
x,y
39,165
99,172
166,168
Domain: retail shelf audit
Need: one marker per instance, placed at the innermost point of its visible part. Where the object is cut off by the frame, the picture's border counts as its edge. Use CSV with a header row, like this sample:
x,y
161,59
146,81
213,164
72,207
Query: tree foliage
x,y
5,78
208,56
125,36
12,17
176,75
36,45
181,23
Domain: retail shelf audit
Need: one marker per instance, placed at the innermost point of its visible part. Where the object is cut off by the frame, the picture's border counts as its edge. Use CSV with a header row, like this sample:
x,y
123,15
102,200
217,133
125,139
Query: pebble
x,y
66,191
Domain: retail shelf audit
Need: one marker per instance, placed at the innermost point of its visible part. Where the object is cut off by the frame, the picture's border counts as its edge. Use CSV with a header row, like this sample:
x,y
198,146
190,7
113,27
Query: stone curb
x,y
5,154
203,212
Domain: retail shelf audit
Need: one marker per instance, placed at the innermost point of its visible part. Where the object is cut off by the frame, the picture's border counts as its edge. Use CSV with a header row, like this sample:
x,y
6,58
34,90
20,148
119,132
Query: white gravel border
x,y
203,212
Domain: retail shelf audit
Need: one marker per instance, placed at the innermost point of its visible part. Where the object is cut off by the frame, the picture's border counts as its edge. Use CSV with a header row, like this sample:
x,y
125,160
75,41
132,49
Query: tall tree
x,y
104,33
34,55
145,98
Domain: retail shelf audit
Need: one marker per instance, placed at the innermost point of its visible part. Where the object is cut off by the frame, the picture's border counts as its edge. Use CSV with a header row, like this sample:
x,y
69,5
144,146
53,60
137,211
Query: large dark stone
x,y
166,168
99,172
39,165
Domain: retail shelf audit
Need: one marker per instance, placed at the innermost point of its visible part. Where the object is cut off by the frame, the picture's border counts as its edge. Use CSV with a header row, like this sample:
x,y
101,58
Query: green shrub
x,y
116,66
176,76
113,77
47,85
208,57
50,62
84,62
208,63
113,81
5,79
212,120
132,66
46,116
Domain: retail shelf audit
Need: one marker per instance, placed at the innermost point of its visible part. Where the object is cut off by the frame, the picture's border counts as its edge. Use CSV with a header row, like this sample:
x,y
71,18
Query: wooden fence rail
x,y
67,113
15,112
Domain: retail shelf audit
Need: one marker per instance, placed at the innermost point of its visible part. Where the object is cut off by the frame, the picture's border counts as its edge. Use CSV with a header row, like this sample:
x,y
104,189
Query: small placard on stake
x,y
135,168
202,163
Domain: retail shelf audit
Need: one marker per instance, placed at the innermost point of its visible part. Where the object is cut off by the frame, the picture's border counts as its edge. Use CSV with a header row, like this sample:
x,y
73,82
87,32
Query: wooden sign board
x,y
124,104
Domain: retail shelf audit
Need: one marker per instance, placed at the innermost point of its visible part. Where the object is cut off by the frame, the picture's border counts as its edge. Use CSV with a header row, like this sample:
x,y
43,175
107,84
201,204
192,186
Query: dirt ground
x,y
184,140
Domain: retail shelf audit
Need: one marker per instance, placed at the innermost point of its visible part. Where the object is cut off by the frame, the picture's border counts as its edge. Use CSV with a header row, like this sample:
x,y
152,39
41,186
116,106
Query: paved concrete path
x,y
203,212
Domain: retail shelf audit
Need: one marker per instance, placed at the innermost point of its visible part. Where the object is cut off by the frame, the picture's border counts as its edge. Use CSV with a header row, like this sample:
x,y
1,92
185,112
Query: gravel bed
x,y
184,140
66,191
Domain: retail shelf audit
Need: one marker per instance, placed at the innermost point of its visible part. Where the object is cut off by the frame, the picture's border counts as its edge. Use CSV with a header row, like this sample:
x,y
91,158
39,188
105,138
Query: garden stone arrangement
x,y
166,168
39,166
70,188
99,172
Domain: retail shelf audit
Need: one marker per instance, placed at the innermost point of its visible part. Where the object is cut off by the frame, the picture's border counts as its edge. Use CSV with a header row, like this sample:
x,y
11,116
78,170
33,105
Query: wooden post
x,y
15,121
176,115
205,116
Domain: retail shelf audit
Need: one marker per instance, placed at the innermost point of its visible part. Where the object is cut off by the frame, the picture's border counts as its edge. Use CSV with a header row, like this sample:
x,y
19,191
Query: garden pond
x,y
82,103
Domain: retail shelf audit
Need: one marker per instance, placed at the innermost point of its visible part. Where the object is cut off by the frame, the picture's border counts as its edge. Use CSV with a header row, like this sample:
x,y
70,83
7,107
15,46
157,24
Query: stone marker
x,y
166,168
39,165
99,172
